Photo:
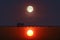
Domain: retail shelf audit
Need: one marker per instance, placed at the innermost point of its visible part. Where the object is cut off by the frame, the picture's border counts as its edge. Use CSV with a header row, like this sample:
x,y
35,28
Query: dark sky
x,y
46,12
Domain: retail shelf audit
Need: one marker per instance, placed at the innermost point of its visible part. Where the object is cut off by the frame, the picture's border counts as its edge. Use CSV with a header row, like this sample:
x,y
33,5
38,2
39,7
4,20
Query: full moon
x,y
30,9
29,33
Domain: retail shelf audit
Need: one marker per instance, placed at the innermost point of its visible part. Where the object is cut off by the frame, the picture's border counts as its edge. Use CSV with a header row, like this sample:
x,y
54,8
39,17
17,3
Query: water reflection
x,y
19,33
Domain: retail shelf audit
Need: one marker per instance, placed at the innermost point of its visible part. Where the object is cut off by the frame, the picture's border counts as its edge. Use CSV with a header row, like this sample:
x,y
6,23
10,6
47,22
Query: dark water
x,y
19,33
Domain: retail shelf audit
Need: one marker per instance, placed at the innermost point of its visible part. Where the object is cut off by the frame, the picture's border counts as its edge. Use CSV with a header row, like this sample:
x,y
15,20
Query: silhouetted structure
x,y
20,24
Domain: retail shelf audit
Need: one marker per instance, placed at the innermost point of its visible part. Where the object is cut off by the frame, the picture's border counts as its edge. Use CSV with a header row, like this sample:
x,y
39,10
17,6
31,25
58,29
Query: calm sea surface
x,y
20,33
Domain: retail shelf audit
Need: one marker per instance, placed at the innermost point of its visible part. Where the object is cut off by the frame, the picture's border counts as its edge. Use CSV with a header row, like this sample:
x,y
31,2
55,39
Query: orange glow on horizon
x,y
30,33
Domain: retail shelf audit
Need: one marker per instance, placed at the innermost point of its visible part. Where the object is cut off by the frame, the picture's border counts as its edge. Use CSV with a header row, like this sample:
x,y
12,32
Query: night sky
x,y
46,12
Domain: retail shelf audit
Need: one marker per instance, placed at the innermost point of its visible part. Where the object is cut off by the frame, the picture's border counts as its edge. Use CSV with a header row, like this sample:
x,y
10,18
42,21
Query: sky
x,y
46,12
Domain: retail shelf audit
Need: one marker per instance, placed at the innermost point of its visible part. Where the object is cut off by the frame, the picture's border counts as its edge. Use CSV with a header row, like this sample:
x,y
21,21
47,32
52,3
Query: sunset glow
x,y
29,33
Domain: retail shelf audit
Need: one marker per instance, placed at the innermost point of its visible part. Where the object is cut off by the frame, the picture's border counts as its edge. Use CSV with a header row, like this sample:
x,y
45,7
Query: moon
x,y
30,9
29,33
